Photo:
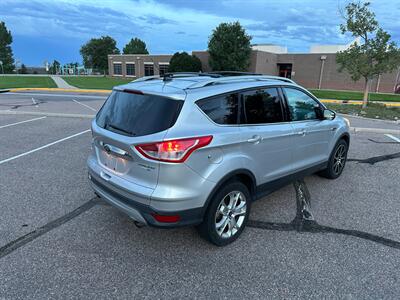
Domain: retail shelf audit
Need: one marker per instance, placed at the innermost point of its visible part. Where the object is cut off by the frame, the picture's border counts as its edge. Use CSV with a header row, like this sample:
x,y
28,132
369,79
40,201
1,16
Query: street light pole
x,y
397,80
323,58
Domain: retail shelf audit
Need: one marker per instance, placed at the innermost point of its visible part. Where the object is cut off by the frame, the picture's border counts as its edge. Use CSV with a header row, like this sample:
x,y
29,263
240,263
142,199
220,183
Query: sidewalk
x,y
359,102
61,83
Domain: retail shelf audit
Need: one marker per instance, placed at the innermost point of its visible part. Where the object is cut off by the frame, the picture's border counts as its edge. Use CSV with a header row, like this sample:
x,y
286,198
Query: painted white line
x,y
393,137
84,104
43,147
56,95
26,121
48,114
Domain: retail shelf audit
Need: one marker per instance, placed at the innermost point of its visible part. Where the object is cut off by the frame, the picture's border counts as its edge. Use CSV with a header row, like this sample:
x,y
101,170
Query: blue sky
x,y
55,29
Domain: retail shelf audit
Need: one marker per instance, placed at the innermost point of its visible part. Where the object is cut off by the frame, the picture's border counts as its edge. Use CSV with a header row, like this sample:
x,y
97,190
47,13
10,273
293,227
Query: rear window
x,y
137,115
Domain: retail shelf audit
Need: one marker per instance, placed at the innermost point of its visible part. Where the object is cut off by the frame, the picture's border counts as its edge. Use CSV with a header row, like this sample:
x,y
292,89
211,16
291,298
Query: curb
x,y
357,102
371,119
374,130
47,114
60,90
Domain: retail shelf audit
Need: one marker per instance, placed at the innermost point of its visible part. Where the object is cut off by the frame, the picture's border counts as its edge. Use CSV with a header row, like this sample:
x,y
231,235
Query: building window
x,y
117,69
163,68
148,70
130,69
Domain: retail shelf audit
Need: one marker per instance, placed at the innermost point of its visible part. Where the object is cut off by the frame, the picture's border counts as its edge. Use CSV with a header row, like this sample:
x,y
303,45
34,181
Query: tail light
x,y
176,151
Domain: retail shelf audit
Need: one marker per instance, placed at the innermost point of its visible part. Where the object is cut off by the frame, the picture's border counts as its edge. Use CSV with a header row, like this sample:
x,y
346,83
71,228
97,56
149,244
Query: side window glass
x,y
263,106
301,106
221,109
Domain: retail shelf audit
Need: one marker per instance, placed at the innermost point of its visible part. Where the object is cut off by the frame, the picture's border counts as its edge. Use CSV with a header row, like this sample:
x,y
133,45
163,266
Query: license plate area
x,y
113,162
110,161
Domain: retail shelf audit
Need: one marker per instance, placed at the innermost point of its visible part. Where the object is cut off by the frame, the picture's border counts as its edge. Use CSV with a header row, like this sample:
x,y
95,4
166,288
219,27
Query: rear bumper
x,y
140,212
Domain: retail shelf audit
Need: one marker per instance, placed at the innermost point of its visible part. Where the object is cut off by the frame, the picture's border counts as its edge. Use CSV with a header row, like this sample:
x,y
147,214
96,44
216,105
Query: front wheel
x,y
337,161
227,214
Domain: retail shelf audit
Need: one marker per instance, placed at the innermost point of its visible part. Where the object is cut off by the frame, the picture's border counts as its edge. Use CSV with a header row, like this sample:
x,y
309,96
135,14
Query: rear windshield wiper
x,y
119,129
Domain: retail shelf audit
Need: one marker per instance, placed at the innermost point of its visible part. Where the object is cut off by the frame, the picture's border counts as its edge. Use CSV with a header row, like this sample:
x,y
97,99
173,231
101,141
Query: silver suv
x,y
198,149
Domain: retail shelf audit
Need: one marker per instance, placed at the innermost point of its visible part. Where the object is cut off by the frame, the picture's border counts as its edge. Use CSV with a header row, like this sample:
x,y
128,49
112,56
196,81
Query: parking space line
x,y
43,147
76,101
393,137
26,121
57,95
47,114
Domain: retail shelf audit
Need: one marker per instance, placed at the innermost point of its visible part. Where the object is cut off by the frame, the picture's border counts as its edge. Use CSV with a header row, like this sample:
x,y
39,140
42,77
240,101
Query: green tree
x,y
135,46
229,48
23,69
94,52
6,55
374,55
54,67
183,62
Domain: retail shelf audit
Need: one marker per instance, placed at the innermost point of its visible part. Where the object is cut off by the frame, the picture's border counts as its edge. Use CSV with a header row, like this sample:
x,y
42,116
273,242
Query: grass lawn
x,y
105,83
352,95
26,82
373,110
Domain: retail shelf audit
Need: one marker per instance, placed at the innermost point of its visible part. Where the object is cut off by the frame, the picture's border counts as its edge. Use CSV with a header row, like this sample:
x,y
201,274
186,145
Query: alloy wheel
x,y
339,159
230,214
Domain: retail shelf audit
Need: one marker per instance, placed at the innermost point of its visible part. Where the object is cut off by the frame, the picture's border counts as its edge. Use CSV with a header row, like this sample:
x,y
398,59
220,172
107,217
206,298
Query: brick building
x,y
137,65
311,70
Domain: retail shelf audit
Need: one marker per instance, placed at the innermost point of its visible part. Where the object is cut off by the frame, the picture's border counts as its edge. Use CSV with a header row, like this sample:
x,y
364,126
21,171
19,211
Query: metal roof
x,y
192,83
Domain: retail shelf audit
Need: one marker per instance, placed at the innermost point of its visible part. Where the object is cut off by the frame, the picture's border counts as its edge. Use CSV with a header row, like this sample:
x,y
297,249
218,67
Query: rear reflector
x,y
176,151
166,219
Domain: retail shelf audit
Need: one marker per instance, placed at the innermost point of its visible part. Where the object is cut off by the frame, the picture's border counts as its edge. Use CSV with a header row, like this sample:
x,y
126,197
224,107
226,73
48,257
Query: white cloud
x,y
173,25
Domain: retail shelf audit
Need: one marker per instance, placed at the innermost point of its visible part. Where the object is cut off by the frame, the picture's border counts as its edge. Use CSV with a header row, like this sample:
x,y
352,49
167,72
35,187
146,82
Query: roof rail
x,y
171,75
234,73
229,79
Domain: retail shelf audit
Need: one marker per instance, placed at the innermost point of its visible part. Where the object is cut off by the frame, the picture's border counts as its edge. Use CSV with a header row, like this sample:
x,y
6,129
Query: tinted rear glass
x,y
263,106
137,115
221,109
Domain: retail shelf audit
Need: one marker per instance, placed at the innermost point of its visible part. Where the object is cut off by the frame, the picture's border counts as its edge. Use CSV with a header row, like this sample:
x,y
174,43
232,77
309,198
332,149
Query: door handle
x,y
110,148
255,139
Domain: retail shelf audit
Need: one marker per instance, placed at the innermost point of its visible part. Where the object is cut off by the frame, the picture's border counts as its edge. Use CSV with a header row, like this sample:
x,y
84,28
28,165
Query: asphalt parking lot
x,y
57,240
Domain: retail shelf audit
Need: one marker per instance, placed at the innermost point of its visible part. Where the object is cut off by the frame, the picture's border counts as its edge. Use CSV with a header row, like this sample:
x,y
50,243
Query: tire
x,y
218,226
337,161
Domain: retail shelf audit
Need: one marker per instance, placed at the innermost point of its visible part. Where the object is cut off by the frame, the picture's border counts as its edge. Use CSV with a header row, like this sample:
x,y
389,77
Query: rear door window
x,y
262,106
136,114
221,109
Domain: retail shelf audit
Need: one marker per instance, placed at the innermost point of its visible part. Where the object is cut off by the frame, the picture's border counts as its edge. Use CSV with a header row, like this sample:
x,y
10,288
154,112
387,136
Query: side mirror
x,y
319,111
329,114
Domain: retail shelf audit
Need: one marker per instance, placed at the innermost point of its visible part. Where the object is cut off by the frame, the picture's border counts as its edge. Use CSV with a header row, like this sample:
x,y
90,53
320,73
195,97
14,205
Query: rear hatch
x,y
129,118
